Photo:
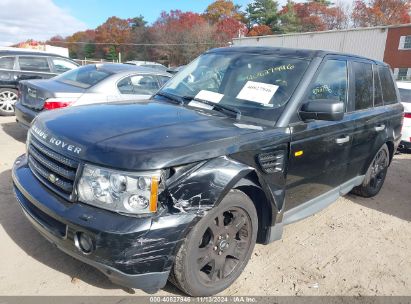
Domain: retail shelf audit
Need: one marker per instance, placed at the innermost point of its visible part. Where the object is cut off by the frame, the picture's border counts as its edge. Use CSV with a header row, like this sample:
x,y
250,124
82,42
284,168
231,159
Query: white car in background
x,y
405,92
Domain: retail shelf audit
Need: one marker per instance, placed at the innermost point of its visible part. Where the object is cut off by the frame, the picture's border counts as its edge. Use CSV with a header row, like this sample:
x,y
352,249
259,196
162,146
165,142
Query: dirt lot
x,y
354,247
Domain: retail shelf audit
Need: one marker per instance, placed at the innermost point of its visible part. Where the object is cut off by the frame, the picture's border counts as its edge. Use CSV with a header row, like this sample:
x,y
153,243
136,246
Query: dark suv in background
x,y
18,65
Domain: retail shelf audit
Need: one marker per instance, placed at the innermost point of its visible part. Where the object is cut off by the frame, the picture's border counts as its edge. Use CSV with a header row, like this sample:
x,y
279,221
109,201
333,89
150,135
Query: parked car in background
x,y
20,65
405,93
87,84
148,64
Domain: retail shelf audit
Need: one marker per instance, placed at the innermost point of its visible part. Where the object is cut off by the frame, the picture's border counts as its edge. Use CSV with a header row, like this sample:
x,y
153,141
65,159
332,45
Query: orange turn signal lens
x,y
154,194
299,153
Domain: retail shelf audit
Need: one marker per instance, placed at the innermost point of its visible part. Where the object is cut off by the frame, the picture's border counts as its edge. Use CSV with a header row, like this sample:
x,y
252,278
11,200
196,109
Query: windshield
x,y
83,77
257,85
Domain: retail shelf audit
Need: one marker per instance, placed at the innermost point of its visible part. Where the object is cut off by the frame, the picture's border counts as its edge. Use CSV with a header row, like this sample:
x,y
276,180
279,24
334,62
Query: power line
x,y
140,44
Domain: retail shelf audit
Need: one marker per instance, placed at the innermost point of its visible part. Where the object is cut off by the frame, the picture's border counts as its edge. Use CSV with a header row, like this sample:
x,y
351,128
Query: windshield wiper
x,y
216,106
174,98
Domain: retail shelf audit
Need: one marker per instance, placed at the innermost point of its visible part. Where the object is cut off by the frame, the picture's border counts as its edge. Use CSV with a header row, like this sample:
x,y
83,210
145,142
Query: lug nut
x,y
220,237
215,248
219,253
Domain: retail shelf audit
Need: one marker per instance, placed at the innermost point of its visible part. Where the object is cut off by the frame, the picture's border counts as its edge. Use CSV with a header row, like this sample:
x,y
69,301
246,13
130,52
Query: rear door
x,y
33,67
369,112
320,149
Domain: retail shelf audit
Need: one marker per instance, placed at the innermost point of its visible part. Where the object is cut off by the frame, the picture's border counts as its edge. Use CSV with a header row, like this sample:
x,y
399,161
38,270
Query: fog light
x,y
83,242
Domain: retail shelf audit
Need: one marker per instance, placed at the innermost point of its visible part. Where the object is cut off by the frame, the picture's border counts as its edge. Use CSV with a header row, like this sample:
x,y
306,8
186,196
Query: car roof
x,y
142,62
117,68
404,85
286,52
29,53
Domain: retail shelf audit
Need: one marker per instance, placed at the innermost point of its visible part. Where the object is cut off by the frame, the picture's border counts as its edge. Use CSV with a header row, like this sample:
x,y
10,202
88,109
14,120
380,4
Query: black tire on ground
x,y
217,249
375,176
7,99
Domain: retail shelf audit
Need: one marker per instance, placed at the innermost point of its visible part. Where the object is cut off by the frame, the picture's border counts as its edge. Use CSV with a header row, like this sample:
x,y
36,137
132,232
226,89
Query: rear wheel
x,y
8,98
218,248
375,176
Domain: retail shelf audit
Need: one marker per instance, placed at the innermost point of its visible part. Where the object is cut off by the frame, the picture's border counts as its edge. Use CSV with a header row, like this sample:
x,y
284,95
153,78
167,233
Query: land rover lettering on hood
x,y
241,142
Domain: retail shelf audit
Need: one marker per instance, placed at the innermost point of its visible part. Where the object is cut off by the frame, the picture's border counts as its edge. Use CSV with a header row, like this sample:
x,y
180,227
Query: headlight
x,y
28,141
119,191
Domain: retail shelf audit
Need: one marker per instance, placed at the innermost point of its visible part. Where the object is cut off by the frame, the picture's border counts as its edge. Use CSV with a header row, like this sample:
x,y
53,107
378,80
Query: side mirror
x,y
322,109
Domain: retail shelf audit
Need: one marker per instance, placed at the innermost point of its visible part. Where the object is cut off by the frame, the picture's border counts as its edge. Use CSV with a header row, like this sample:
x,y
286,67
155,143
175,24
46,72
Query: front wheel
x,y
218,248
8,98
375,176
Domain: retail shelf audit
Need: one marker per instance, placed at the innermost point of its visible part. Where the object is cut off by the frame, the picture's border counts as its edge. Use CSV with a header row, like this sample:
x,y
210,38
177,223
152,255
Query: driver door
x,y
320,149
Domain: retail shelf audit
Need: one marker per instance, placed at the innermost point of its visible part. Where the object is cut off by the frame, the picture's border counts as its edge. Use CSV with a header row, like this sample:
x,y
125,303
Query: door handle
x,y
379,128
342,140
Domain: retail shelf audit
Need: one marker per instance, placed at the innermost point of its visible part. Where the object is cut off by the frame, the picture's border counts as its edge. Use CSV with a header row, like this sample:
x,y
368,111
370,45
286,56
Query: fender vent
x,y
271,162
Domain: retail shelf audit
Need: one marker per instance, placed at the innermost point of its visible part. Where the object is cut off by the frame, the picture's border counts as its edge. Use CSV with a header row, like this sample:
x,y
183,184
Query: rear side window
x,y
405,95
83,77
387,84
377,88
6,63
331,82
363,77
62,65
138,84
36,64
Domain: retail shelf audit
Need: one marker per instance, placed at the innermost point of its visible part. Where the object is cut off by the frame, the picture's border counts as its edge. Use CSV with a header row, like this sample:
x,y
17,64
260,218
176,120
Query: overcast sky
x,y
41,19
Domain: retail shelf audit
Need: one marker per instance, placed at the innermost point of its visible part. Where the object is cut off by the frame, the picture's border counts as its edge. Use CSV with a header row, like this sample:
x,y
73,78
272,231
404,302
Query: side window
x,y
387,84
36,64
138,84
125,86
163,80
331,82
144,84
7,63
62,65
363,77
377,87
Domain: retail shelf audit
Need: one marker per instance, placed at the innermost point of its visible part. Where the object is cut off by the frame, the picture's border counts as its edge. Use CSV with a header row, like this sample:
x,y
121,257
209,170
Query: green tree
x,y
111,53
263,12
289,20
89,50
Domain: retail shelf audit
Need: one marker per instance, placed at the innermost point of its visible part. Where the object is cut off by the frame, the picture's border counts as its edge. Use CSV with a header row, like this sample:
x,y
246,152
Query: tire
x,y
210,258
8,98
376,173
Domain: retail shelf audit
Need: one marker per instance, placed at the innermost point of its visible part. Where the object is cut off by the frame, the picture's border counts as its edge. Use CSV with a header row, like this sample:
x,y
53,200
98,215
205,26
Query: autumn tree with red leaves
x,y
260,30
380,12
182,35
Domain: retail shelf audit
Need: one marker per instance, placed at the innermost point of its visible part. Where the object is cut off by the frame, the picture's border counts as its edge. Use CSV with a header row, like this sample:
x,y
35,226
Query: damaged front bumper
x,y
135,252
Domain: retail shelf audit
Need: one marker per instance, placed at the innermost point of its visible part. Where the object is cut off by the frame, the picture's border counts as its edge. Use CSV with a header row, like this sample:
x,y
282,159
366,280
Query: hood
x,y
141,136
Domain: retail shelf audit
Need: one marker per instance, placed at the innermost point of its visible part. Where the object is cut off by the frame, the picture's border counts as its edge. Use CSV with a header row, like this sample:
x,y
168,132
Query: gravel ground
x,y
354,247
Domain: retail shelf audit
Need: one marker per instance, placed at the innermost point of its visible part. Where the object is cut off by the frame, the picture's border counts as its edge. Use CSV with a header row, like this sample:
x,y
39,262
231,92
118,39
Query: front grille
x,y
54,170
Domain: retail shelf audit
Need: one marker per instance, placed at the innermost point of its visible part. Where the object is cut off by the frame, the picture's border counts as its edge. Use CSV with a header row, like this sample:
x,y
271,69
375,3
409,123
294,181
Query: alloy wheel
x,y
378,169
7,101
224,245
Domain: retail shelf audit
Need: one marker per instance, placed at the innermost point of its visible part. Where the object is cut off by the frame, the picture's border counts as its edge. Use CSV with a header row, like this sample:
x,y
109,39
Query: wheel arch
x,y
208,183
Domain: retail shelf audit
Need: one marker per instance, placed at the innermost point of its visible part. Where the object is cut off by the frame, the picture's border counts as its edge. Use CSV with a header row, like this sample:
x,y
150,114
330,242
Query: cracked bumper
x,y
135,252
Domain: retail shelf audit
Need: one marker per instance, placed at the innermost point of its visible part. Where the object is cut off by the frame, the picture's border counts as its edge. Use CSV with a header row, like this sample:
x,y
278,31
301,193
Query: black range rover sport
x,y
238,144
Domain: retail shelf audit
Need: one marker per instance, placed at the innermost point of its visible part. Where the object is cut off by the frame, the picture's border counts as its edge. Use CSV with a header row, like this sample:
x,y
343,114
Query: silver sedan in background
x,y
89,84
